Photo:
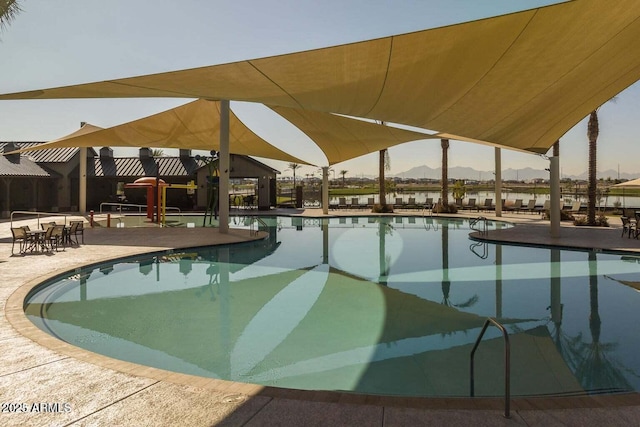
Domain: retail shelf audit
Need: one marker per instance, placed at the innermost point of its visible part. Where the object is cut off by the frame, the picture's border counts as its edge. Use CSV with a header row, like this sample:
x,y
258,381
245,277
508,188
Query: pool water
x,y
377,305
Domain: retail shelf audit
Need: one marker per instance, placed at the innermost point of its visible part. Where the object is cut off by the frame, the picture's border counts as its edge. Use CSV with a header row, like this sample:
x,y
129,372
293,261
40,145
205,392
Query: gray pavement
x,y
46,382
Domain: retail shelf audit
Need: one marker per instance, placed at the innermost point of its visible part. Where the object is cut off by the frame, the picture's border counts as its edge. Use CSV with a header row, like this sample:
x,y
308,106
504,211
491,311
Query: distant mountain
x,y
526,174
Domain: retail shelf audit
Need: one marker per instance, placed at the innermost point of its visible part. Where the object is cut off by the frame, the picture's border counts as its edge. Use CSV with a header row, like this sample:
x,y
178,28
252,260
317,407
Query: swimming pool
x,y
379,305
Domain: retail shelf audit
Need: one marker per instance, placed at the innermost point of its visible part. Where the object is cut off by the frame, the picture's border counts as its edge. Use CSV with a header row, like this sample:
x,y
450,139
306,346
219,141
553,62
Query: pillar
x,y
498,161
82,199
554,205
325,190
224,167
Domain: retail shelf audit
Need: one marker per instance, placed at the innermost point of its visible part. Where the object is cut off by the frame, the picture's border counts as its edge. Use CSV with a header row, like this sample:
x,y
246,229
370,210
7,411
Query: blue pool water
x,y
372,305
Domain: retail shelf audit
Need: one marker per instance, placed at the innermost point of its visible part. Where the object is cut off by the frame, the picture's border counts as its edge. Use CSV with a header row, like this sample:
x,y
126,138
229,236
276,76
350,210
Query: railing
x,y
482,228
38,214
507,363
140,208
254,220
485,249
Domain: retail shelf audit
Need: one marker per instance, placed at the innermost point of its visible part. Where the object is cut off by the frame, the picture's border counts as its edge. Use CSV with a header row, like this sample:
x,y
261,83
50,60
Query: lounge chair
x,y
515,207
355,203
370,202
399,203
412,203
531,206
429,203
471,204
488,205
342,203
575,207
545,207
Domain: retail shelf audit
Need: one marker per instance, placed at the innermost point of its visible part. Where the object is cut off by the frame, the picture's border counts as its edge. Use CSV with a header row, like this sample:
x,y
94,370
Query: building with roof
x,y
49,180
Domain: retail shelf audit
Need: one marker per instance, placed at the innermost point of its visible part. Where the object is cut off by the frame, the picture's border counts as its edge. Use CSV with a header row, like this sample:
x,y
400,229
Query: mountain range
x,y
526,174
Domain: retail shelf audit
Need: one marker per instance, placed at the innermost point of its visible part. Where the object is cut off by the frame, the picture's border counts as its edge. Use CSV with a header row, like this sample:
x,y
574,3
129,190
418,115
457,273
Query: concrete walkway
x,y
47,382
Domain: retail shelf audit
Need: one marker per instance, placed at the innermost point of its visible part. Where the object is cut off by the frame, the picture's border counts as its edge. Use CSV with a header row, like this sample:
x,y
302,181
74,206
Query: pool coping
x,y
14,312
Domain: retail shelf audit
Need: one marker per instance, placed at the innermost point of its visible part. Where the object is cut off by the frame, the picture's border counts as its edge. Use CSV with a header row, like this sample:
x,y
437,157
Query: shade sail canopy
x,y
634,183
195,125
519,80
342,138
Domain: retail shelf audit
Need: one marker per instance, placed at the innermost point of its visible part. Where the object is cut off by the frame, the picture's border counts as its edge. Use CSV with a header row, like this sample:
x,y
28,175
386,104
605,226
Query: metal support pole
x,y
325,190
224,167
498,161
82,198
554,205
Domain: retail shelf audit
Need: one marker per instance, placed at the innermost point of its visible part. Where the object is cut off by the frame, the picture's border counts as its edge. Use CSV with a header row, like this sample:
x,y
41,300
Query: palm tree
x,y
444,143
9,9
157,152
592,134
383,164
294,167
343,173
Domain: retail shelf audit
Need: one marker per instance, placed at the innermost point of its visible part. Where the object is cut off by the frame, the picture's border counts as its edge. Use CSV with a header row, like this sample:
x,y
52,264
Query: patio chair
x,y
355,203
54,237
342,203
627,226
412,203
19,235
545,207
79,229
399,203
575,207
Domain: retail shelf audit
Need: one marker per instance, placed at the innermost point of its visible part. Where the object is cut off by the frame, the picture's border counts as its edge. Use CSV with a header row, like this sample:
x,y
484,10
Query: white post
x,y
554,205
325,190
82,197
498,161
224,167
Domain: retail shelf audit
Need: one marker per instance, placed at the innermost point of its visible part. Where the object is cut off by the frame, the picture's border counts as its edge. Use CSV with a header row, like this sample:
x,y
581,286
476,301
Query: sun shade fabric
x,y
342,138
195,125
519,80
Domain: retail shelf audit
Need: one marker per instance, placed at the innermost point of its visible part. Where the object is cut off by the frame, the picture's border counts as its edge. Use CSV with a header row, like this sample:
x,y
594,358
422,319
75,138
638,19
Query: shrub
x,y
440,208
378,208
601,221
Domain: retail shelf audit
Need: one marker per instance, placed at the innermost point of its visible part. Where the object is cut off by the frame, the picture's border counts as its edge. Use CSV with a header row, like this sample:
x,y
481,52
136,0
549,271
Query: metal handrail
x,y
38,214
507,363
255,219
474,222
485,249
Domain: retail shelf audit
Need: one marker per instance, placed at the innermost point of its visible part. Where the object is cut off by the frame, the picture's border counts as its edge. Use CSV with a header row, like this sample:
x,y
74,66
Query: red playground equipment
x,y
154,194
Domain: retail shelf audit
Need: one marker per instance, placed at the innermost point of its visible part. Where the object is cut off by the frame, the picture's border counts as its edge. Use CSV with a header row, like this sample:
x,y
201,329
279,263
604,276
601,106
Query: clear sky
x,y
68,42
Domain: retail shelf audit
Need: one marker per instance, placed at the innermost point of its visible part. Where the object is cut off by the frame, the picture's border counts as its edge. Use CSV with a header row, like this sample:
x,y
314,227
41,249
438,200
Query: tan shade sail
x,y
519,80
195,125
342,138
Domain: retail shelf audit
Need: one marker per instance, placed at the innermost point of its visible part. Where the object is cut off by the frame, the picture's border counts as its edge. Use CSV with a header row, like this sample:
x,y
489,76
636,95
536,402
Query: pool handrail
x,y
507,363
474,222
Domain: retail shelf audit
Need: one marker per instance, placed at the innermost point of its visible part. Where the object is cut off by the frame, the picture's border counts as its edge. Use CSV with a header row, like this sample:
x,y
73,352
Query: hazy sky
x,y
79,41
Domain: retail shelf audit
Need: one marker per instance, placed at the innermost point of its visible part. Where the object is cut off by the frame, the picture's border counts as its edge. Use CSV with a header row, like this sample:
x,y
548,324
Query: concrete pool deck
x,y
37,371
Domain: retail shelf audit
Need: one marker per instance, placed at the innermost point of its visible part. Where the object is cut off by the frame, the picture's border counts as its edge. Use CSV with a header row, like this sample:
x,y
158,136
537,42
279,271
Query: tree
x,y
343,173
9,9
444,196
384,163
592,133
294,167
156,152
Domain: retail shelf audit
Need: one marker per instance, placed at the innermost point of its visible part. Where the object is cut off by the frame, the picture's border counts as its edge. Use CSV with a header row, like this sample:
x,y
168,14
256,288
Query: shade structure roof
x,y
342,138
518,81
634,183
195,125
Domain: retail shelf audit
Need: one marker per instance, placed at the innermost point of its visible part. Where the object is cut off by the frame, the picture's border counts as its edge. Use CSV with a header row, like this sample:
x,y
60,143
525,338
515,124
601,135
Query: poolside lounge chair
x,y
487,206
429,203
342,203
399,203
531,206
370,202
412,203
355,203
471,204
515,207
545,207
575,207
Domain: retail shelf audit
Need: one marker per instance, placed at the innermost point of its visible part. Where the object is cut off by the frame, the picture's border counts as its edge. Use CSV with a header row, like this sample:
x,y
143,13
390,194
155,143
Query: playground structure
x,y
157,196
